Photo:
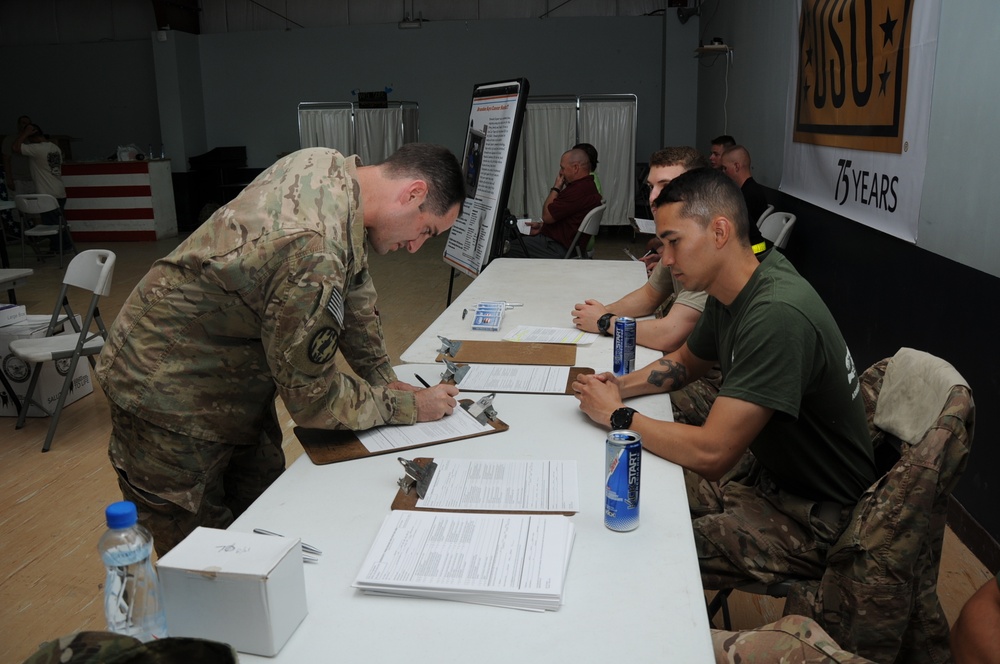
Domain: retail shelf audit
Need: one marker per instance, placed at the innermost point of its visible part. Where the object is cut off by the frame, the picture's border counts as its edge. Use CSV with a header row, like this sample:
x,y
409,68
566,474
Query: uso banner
x,y
859,108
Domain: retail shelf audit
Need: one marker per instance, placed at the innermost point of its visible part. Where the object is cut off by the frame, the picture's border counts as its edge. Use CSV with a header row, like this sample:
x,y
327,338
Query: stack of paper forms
x,y
508,560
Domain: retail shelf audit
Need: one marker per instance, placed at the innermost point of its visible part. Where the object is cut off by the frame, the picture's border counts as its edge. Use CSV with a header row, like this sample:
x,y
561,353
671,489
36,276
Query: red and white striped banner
x,y
109,202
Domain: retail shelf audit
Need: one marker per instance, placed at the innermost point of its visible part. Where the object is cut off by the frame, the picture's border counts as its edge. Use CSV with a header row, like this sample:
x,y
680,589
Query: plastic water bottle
x,y
132,601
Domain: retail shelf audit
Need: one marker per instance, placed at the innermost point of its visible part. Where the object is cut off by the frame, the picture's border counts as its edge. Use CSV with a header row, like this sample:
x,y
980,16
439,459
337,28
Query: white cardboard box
x,y
50,383
12,313
239,588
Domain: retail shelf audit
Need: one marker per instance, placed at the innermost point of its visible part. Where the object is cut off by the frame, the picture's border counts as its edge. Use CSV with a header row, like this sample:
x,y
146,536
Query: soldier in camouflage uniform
x,y
109,648
256,303
790,640
790,395
677,309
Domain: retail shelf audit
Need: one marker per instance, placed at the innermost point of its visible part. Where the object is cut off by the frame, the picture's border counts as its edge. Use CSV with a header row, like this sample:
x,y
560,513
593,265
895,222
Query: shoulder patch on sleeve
x,y
322,345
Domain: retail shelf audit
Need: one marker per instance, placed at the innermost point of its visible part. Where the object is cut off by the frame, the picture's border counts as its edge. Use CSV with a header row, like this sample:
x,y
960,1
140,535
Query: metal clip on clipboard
x,y
453,372
483,409
418,477
449,348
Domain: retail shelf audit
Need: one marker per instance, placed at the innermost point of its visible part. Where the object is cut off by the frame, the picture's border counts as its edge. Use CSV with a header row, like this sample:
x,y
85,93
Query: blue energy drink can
x,y
624,361
623,462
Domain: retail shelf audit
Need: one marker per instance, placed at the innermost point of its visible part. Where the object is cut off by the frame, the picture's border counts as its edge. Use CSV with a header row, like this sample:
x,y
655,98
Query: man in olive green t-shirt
x,y
790,394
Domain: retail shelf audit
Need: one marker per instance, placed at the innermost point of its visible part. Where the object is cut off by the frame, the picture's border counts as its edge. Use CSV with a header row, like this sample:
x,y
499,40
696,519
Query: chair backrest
x,y
878,595
36,203
591,225
92,270
776,227
768,210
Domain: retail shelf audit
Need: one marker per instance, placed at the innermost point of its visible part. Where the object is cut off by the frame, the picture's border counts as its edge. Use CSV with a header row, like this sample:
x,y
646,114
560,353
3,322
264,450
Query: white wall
x,y
961,201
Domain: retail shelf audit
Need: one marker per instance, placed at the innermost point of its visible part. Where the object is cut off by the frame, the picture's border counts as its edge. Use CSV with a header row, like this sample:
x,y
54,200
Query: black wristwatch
x,y
622,418
603,323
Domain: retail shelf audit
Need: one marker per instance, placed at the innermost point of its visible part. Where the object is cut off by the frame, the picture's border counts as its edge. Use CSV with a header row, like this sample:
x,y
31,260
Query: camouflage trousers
x,y
179,483
747,530
790,640
692,402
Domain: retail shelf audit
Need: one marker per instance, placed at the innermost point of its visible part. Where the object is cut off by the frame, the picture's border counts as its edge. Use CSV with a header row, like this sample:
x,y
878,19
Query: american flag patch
x,y
335,306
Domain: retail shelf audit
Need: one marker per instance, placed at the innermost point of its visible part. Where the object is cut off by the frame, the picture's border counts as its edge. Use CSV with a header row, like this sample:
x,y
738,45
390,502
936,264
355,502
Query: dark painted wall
x,y
886,293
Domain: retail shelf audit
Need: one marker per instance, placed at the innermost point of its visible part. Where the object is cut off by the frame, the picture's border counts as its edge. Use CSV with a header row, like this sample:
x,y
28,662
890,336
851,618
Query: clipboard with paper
x,y
482,486
512,378
506,352
472,419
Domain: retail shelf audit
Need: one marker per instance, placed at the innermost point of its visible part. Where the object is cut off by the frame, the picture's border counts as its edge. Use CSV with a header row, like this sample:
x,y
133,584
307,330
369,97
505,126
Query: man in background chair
x,y
736,166
571,197
717,148
45,160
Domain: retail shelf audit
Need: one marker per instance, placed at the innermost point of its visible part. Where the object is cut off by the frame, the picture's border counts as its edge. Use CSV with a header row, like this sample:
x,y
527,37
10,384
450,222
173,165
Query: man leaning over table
x,y
571,197
256,304
661,292
790,394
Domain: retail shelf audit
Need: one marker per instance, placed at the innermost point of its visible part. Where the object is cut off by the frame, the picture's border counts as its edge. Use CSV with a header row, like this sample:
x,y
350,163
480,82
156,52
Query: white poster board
x,y
488,161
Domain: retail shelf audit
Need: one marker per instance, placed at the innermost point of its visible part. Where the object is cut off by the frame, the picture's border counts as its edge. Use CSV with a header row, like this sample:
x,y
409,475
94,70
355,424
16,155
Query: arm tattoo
x,y
674,372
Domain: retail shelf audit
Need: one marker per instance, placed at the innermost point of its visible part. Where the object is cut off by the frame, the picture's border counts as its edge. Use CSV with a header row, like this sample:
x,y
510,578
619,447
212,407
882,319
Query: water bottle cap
x,y
121,514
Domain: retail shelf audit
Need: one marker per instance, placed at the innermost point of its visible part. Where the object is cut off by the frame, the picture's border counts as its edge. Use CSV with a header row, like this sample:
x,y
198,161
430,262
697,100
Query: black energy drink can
x,y
624,361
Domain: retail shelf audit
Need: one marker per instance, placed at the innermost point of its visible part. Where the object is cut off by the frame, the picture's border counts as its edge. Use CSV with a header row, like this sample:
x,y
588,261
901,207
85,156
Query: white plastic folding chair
x,y
90,270
777,228
38,204
591,225
768,210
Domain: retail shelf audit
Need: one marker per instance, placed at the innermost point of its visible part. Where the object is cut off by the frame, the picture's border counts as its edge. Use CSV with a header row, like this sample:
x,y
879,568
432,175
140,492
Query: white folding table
x,y
548,290
633,596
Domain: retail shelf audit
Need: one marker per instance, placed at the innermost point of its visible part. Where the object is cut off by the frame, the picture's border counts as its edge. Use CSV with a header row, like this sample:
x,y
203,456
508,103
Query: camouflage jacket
x,y
258,301
108,648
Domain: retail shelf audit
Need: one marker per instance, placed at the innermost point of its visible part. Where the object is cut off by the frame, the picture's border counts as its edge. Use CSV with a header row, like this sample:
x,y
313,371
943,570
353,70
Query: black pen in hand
x,y
422,381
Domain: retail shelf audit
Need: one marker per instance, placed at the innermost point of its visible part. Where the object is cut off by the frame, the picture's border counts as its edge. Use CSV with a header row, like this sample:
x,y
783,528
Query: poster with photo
x,y
491,140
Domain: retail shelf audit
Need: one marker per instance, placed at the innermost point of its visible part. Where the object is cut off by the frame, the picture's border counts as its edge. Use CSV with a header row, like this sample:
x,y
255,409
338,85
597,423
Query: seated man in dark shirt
x,y
790,394
736,164
573,195
719,146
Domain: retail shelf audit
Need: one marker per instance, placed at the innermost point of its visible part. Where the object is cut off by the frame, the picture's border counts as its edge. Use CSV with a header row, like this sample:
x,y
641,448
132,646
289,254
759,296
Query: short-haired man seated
x,y
573,195
681,308
790,394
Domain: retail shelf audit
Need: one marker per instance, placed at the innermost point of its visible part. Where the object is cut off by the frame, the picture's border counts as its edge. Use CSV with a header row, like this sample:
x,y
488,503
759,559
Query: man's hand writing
x,y
435,402
651,260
